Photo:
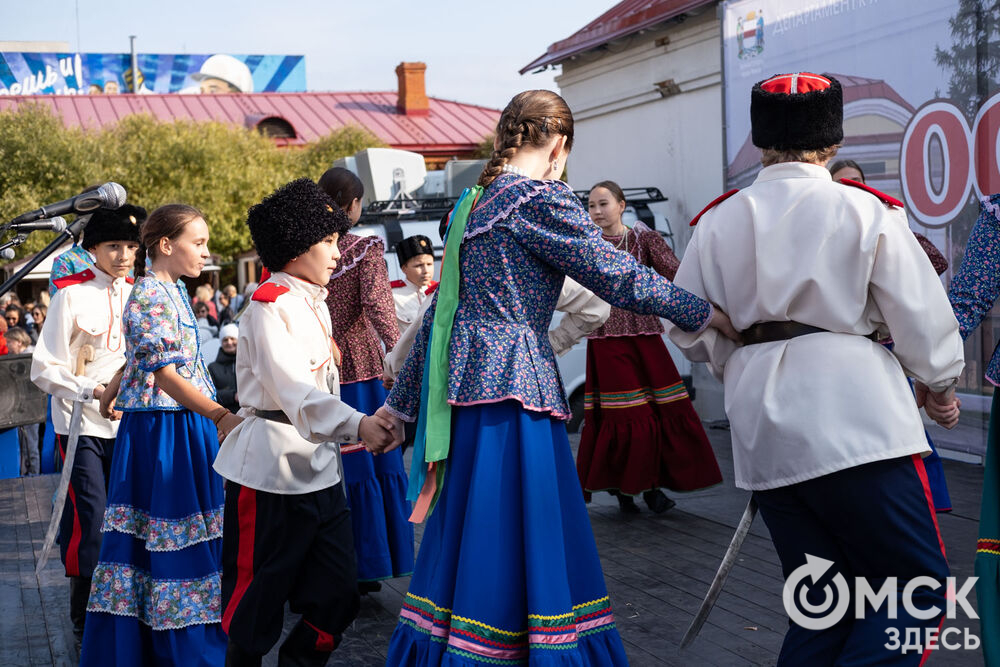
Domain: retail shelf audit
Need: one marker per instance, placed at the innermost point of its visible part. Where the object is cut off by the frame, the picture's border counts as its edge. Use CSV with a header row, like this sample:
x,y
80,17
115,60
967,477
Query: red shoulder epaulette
x,y
75,279
397,283
433,286
130,280
712,204
269,292
883,197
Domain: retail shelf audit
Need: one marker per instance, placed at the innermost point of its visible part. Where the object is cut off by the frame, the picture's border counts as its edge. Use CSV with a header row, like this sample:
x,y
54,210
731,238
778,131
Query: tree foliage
x,y
974,56
485,149
220,169
973,61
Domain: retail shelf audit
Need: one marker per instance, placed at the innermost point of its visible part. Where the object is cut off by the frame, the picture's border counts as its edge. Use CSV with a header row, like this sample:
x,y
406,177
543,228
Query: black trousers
x,y
294,548
86,499
875,521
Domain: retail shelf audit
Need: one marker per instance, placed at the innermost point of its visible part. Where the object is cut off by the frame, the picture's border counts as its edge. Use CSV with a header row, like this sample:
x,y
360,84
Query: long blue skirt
x,y
376,494
508,571
156,593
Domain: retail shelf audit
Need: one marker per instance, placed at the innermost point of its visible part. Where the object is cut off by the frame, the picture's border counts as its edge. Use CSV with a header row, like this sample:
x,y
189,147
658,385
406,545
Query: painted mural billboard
x,y
921,111
110,73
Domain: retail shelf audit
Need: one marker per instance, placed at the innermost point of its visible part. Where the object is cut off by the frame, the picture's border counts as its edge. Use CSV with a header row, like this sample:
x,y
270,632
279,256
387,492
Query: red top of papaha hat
x,y
799,82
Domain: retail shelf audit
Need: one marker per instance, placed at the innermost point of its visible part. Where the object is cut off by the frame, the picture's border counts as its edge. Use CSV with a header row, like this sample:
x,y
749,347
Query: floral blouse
x,y
160,329
649,249
976,286
361,307
520,242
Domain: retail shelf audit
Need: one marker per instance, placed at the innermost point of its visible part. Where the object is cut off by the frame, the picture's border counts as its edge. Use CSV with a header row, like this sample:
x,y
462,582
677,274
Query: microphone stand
x,y
72,231
5,249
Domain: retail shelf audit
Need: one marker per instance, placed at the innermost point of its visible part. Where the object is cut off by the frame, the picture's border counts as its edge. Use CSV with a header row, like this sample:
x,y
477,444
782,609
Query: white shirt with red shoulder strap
x,y
795,246
86,310
285,361
408,299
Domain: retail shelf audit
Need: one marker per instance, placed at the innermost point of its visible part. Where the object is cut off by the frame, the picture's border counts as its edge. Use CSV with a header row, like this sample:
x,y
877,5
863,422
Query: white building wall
x,y
629,132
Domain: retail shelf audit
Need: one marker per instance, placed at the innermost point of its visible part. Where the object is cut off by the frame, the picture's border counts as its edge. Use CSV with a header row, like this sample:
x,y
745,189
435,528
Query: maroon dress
x,y
640,431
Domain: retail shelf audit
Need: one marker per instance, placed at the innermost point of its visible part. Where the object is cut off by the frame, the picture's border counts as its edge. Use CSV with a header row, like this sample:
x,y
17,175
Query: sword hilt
x,y
84,356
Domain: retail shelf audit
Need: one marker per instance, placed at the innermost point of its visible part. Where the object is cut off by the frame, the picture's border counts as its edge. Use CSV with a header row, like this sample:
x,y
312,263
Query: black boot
x,y
299,648
657,501
237,657
79,593
625,502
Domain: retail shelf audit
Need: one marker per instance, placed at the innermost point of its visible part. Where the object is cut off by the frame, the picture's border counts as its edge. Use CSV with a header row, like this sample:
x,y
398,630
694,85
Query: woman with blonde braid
x,y
508,571
640,430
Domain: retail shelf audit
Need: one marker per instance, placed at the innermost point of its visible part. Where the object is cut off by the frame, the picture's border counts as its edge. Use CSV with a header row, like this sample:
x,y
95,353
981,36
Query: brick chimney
x,y
412,99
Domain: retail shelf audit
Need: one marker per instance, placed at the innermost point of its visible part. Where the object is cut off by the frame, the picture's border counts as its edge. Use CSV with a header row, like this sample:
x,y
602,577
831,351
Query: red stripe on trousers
x,y
324,640
918,464
246,508
73,549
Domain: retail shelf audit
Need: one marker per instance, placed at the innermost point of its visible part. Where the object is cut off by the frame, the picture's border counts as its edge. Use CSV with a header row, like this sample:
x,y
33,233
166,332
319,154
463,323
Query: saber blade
x,y
75,424
728,561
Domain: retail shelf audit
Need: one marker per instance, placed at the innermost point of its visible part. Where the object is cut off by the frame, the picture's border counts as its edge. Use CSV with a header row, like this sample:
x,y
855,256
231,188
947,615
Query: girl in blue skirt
x,y
156,596
508,571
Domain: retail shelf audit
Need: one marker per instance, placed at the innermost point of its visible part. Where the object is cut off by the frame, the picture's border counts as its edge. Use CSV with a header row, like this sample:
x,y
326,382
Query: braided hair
x,y
531,118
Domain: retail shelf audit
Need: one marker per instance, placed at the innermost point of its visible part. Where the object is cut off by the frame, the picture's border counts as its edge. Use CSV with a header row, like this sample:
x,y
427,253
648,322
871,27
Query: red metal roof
x,y
625,18
449,127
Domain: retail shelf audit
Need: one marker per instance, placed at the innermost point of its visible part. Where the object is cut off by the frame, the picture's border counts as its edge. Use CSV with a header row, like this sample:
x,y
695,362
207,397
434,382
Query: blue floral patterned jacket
x,y
521,240
976,286
160,329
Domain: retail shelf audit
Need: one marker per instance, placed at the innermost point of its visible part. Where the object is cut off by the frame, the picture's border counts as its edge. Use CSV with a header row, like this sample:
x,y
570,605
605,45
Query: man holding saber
x,y
86,312
825,429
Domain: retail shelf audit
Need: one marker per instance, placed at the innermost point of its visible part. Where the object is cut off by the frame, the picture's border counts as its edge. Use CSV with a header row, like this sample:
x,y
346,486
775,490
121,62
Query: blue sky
x,y
473,50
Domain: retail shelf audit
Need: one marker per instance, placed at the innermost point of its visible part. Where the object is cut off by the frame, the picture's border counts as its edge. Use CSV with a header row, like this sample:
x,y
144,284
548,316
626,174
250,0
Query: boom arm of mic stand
x,y
72,231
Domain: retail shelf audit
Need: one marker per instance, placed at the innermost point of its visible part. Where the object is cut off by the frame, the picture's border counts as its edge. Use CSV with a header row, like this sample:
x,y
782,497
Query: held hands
x,y
721,322
387,431
388,381
942,407
107,398
227,424
225,421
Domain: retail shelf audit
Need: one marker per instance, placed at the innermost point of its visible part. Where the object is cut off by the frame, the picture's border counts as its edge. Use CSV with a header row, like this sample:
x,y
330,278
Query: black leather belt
x,y
273,415
769,332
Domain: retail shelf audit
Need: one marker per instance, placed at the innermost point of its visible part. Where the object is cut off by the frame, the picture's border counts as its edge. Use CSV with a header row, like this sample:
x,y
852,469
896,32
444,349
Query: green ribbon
x,y
437,424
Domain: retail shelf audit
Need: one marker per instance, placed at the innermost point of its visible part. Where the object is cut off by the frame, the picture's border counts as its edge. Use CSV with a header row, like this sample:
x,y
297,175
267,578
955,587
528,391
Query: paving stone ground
x,y
657,568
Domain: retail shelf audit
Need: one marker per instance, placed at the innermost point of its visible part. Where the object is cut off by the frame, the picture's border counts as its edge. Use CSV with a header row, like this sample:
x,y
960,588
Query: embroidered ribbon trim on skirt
x,y
988,547
474,639
433,439
163,534
628,399
162,604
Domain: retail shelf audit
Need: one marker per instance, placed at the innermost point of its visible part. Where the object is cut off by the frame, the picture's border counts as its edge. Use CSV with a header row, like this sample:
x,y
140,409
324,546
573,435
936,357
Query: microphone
x,y
56,224
109,195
